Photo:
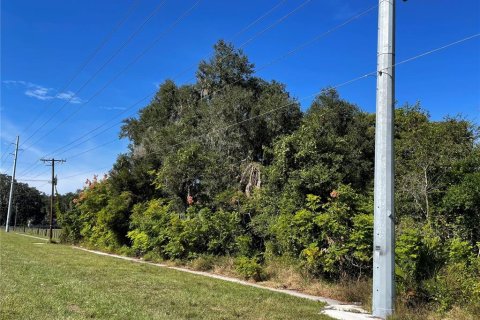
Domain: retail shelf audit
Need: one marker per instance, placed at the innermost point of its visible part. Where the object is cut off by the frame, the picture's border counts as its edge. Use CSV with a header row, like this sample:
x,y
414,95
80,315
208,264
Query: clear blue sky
x,y
44,43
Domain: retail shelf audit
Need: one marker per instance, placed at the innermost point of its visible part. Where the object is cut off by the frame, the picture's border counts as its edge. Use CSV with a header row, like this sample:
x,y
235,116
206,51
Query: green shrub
x,y
456,284
127,251
407,255
203,263
140,241
249,268
71,226
243,245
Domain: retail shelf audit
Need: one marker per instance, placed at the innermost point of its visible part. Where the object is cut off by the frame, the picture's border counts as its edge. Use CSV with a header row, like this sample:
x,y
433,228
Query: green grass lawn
x,y
51,281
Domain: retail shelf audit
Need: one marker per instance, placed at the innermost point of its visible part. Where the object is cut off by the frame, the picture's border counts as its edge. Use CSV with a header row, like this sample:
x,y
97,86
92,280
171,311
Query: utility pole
x,y
384,214
10,197
52,164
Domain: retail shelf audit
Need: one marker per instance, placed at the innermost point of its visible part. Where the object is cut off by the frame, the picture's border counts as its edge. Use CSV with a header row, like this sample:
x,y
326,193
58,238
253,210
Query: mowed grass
x,y
51,281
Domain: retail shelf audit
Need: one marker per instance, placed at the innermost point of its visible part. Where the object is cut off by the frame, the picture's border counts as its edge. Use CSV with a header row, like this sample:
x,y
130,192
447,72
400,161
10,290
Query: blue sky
x,y
44,43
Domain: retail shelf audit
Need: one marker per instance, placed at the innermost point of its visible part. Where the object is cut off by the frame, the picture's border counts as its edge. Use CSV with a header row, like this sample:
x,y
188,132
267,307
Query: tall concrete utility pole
x,y
384,214
10,197
52,164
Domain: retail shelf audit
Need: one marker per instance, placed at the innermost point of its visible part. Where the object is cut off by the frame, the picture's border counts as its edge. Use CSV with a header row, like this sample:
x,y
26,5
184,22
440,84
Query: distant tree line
x,y
230,166
29,205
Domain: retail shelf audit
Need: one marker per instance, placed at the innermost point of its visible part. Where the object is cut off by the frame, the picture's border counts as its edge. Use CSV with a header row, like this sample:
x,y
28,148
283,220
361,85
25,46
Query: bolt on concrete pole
x,y
384,215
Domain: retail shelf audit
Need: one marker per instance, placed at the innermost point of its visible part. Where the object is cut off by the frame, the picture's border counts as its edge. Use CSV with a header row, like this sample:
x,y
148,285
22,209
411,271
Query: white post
x,y
384,215
10,197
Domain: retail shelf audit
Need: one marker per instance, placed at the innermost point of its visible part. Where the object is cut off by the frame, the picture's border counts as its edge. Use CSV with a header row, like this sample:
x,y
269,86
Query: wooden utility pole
x,y
384,215
10,197
52,164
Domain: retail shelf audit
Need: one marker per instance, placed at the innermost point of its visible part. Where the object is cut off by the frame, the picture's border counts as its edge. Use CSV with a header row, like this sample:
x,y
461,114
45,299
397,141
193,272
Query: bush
x,y
249,268
203,263
333,238
71,226
140,241
456,284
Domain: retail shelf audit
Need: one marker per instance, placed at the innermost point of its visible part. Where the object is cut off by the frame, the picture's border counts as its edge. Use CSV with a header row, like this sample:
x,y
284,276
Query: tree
x,y
333,145
425,152
28,202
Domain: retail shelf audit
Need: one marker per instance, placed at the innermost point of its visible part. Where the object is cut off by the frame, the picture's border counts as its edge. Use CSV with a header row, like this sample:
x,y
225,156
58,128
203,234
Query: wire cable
x,y
289,53
154,92
125,43
271,26
86,172
316,93
333,87
263,16
5,154
303,4
88,60
306,97
178,20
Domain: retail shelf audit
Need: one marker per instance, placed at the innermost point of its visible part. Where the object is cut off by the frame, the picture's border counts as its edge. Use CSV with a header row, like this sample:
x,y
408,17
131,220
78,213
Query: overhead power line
x,y
303,4
109,82
271,26
31,168
367,75
100,126
318,37
263,16
103,66
154,92
257,20
5,154
99,47
94,148
373,73
275,60
37,175
86,172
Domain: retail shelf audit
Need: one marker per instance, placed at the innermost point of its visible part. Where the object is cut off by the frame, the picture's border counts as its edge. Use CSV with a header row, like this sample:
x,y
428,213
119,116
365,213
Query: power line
x,y
100,126
178,20
88,60
37,175
318,37
305,97
263,16
303,4
289,53
271,26
31,168
125,43
43,185
5,154
94,148
154,92
257,20
86,172
333,87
